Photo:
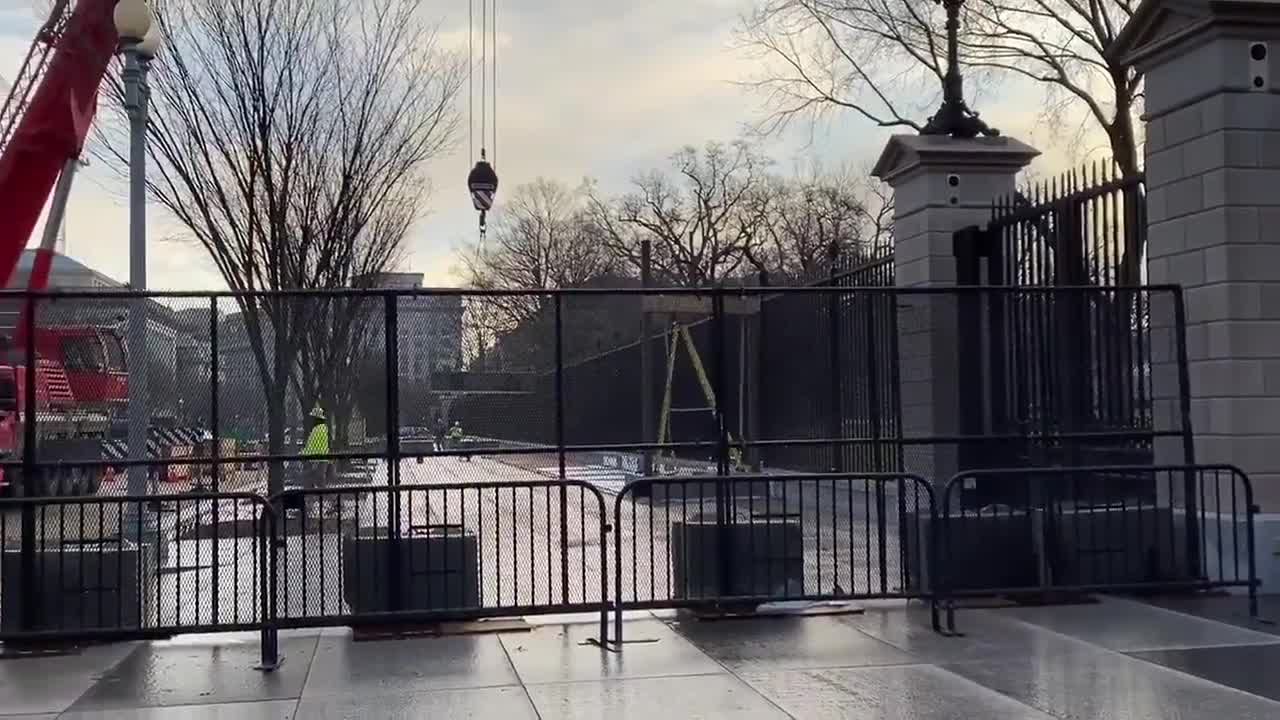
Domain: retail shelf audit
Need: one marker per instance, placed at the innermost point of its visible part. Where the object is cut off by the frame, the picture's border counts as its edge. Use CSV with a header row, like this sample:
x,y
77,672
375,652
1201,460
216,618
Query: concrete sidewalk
x,y
1117,659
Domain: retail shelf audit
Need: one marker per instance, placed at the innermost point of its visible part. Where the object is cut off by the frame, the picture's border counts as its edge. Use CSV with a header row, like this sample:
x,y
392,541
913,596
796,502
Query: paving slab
x,y
986,637
40,685
1129,626
274,710
761,645
201,670
501,703
1232,609
1095,684
706,697
554,653
1251,668
900,692
348,668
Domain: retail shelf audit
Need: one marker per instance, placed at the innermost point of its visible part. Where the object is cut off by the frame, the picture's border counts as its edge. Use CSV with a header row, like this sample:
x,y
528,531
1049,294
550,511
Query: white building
x,y
429,327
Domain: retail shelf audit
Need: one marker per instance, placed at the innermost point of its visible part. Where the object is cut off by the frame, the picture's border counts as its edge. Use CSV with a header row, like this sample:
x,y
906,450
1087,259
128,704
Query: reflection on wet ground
x,y
1119,659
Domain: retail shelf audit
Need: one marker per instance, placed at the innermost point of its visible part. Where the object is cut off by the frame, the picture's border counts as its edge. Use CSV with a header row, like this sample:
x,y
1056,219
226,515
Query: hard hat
x,y
317,412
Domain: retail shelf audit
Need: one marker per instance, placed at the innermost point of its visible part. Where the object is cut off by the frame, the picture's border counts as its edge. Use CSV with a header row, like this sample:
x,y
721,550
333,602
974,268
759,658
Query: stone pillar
x,y
940,184
1213,213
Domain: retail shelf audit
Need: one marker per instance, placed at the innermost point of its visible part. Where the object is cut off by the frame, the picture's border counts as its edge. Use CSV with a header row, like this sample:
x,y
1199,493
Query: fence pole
x,y
972,394
270,637
215,446
1188,440
391,345
755,384
835,427
647,428
722,455
564,501
30,482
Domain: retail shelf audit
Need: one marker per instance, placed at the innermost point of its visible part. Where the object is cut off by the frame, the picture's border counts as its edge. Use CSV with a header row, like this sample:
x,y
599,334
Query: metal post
x,y
757,409
215,469
835,428
391,344
1190,498
647,428
215,419
58,207
136,98
564,501
723,518
31,484
971,393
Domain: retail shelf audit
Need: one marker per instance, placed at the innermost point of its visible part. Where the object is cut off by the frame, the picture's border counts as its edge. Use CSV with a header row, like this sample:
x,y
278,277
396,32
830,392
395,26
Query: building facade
x,y
428,327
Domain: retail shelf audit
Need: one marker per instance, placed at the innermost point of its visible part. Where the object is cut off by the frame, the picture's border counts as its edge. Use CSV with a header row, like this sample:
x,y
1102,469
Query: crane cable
x,y
482,181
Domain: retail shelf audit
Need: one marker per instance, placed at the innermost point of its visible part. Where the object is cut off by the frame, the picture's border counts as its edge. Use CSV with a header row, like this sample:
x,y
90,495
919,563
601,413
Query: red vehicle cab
x,y
81,383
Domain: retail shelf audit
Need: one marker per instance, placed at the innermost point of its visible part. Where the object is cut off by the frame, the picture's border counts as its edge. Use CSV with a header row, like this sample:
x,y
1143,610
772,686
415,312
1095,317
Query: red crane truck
x,y
81,378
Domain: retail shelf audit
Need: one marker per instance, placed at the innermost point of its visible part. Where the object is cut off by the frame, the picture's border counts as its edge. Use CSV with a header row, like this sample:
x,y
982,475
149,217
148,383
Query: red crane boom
x,y
44,120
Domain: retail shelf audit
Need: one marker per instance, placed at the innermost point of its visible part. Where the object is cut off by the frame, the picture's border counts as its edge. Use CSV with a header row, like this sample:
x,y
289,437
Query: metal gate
x,y
1074,364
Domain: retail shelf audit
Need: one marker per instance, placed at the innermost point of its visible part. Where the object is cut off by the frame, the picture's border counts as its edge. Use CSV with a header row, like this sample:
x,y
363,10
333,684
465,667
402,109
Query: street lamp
x,y
955,118
139,42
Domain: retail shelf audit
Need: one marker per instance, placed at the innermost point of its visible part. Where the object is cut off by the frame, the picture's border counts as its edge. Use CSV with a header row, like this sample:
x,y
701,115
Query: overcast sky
x,y
585,89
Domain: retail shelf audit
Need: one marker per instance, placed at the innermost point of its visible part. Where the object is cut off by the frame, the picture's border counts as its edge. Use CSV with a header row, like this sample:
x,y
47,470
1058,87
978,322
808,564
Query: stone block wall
x,y
1213,180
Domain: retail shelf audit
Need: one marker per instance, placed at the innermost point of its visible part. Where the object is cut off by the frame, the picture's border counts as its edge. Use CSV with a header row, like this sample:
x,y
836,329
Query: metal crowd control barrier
x,y
413,553
118,567
1098,529
793,537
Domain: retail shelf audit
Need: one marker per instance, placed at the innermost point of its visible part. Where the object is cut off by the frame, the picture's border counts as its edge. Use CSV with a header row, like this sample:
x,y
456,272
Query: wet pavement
x,y
1118,659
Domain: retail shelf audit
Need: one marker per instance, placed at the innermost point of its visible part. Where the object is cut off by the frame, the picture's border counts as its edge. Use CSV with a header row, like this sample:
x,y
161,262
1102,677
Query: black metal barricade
x,y
744,540
121,567
1117,528
448,551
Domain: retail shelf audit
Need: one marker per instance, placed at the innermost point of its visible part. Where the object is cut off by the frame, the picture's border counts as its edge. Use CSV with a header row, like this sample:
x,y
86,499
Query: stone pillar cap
x,y
905,153
1158,26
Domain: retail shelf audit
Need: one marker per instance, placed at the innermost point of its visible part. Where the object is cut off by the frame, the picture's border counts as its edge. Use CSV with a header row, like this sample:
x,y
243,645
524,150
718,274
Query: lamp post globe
x,y
150,44
132,19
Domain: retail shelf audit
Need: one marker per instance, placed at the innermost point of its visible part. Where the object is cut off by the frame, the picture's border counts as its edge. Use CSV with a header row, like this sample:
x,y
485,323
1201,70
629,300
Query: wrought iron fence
x,y
1069,375
1117,528
1087,227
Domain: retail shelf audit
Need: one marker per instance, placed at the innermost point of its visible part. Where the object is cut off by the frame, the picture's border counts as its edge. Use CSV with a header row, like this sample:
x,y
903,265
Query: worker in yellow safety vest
x,y
455,440
317,471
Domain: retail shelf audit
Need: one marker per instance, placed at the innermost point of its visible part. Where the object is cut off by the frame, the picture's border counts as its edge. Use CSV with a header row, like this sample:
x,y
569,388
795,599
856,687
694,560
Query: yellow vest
x,y
317,441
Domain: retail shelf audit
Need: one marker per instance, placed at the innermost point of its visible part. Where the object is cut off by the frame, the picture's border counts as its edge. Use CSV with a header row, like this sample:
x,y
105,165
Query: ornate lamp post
x,y
139,42
955,118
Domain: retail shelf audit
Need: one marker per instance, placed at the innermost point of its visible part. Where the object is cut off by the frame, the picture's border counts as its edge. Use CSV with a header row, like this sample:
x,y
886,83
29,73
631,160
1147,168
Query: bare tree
x,y
289,138
865,57
829,54
808,213
542,239
702,222
821,56
341,333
